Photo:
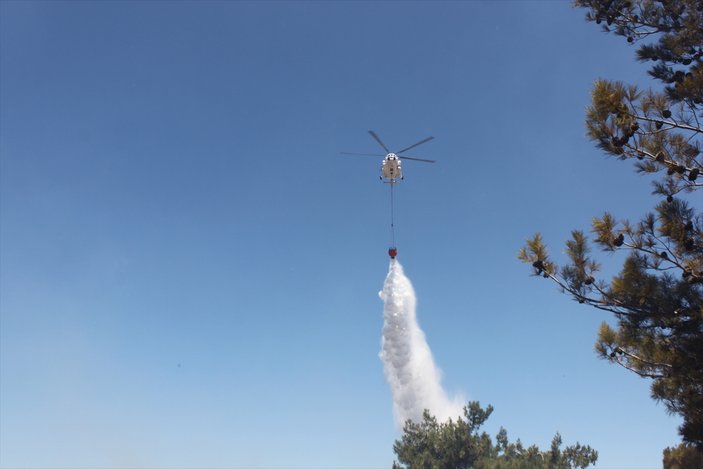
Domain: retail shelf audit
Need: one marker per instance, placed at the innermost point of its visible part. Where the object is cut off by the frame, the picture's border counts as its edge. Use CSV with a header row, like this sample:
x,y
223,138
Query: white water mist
x,y
412,375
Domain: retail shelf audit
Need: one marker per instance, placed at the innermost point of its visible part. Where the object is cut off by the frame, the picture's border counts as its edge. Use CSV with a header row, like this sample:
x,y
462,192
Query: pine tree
x,y
458,444
657,298
684,456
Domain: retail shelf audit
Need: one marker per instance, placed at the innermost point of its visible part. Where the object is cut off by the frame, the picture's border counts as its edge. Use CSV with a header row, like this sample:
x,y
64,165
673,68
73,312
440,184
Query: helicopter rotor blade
x,y
377,138
361,154
413,146
415,159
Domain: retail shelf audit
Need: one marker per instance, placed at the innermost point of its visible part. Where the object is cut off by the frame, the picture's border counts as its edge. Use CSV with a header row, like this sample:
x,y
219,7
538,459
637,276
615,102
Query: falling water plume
x,y
412,375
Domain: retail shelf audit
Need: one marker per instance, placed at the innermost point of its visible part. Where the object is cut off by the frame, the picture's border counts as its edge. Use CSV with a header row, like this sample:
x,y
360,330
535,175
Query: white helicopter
x,y
391,171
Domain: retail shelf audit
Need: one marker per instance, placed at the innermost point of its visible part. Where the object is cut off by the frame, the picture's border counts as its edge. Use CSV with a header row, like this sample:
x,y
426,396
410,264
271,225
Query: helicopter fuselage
x,y
390,169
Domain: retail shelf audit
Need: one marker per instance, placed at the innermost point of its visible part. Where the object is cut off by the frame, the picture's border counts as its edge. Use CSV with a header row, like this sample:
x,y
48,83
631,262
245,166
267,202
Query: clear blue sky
x,y
189,269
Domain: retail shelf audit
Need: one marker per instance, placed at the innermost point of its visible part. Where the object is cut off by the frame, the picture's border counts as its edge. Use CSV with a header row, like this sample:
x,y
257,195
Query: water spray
x,y
412,375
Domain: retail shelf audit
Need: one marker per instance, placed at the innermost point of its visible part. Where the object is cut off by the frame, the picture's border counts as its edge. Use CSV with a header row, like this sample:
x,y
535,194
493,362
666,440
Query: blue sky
x,y
189,269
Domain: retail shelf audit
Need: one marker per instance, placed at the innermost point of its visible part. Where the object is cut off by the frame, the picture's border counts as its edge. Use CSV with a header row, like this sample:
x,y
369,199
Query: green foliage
x,y
683,456
676,25
536,254
657,298
661,130
456,445
430,444
660,136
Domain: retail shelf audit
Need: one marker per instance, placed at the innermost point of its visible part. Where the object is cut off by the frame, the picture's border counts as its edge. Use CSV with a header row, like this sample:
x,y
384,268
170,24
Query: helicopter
x,y
391,171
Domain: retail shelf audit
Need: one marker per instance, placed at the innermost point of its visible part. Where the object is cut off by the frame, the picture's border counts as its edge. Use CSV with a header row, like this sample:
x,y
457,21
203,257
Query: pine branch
x,y
672,124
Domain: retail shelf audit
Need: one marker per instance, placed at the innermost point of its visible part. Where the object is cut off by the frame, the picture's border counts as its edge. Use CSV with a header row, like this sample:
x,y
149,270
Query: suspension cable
x,y
392,217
